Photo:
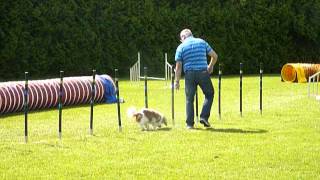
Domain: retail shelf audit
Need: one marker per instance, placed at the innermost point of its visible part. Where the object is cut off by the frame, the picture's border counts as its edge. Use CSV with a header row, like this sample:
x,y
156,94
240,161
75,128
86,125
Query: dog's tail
x,y
131,112
164,120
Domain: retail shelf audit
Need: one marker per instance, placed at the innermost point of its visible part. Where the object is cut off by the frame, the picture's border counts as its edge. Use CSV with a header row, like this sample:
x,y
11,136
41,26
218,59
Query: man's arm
x,y
178,74
213,59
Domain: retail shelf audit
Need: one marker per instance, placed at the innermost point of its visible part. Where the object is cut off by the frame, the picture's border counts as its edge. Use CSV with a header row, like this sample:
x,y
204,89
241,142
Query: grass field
x,y
283,143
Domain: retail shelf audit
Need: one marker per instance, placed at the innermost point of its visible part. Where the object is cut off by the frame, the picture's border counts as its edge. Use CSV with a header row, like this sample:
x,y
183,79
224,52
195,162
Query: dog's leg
x,y
143,127
154,124
146,126
154,127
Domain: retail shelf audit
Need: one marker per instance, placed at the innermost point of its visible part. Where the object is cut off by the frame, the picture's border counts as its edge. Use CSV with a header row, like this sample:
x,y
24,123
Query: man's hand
x,y
178,75
177,85
210,69
213,60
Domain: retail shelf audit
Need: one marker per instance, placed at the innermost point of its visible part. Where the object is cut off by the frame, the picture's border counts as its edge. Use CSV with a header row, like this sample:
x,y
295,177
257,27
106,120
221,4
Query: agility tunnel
x,y
45,93
298,72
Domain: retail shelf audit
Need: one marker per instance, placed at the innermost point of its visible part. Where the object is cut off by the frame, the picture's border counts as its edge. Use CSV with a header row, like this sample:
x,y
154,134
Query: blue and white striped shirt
x,y
193,54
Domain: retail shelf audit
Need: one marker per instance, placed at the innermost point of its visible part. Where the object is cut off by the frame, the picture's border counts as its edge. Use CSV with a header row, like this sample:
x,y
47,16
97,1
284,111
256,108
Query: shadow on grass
x,y
44,110
160,129
165,129
234,130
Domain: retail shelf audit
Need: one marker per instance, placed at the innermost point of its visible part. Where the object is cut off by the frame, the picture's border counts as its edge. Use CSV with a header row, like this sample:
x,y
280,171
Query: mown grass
x,y
283,143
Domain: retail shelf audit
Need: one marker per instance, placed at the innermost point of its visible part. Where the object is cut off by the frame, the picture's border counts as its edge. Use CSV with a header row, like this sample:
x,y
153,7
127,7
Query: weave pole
x,y
60,104
26,107
118,98
146,87
197,106
172,95
219,92
261,72
92,100
241,89
165,67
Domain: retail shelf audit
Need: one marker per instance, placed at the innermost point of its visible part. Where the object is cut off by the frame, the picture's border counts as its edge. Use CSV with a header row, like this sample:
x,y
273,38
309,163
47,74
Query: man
x,y
191,54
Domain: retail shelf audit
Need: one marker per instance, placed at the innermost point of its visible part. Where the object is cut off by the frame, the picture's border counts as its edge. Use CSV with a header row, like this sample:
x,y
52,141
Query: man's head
x,y
184,34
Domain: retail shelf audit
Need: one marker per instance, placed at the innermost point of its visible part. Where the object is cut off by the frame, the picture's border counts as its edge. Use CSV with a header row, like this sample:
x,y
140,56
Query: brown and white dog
x,y
147,117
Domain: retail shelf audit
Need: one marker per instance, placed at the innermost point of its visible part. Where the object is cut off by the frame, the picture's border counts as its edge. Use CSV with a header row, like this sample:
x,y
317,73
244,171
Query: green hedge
x,y
46,36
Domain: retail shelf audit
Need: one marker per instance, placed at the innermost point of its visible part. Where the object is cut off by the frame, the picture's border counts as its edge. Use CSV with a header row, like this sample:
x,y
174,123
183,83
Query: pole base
x,y
120,129
197,121
91,132
26,139
60,135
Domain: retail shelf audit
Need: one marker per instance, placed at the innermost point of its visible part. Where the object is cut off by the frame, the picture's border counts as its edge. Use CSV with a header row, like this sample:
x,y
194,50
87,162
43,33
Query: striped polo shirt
x,y
193,54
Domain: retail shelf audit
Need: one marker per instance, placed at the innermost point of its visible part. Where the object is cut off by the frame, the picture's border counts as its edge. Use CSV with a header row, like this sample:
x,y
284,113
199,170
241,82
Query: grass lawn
x,y
283,143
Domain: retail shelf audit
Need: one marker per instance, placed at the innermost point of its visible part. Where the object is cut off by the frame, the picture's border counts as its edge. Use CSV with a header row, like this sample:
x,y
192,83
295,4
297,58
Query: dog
x,y
146,117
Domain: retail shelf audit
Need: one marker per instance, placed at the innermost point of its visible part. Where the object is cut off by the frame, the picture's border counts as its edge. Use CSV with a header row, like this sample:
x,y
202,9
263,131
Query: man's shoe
x,y
205,123
190,127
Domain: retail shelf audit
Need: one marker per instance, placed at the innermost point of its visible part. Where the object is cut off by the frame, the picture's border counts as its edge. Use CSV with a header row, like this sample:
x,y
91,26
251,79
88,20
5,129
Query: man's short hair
x,y
185,33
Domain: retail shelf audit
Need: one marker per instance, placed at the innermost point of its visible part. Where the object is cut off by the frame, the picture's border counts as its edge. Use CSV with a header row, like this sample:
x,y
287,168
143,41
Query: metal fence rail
x,y
313,86
136,69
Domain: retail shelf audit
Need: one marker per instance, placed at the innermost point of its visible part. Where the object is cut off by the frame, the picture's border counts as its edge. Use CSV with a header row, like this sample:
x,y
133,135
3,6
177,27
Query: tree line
x,y
46,36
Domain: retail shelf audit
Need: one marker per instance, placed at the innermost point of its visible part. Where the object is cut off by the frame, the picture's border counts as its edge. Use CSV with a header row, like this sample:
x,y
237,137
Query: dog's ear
x,y
138,116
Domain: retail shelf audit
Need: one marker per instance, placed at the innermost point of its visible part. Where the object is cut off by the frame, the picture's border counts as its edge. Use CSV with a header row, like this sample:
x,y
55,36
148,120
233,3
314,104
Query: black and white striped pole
x,y
92,100
241,72
60,104
197,106
219,91
118,98
26,108
145,87
261,72
172,94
